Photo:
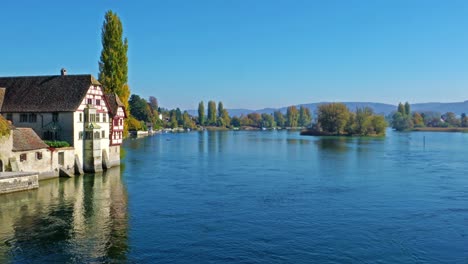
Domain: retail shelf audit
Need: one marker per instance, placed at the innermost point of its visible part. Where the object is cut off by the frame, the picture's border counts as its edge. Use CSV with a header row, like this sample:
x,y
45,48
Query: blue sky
x,y
253,53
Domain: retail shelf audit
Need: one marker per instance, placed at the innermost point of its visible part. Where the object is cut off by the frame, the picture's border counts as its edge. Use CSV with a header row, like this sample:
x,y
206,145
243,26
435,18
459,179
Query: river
x,y
253,197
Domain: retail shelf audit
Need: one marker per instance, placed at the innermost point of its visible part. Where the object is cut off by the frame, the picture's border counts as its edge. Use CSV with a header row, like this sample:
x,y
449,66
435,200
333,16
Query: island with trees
x,y
335,119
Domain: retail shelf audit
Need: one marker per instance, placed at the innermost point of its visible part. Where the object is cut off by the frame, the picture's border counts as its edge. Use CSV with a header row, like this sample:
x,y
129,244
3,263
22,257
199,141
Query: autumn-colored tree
x,y
333,117
292,117
113,68
187,121
418,120
4,127
256,119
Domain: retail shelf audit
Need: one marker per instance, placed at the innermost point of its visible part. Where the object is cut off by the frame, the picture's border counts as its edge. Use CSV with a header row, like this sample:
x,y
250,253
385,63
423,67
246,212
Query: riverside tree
x,y
304,116
333,117
140,109
279,119
292,116
113,68
211,113
201,113
402,118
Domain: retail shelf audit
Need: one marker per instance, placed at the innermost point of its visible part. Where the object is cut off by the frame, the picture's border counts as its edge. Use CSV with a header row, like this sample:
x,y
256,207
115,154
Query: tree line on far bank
x,y
404,119
219,117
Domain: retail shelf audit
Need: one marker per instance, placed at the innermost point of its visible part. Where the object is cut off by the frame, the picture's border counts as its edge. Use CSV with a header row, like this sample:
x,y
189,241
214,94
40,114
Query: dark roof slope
x,y
25,139
59,93
114,102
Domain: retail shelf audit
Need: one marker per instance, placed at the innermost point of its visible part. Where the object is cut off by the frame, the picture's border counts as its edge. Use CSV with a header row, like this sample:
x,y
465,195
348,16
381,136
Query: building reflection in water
x,y
82,219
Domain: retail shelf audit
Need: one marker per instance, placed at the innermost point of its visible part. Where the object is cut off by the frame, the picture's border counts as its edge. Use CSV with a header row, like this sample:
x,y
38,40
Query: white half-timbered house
x,y
117,115
70,108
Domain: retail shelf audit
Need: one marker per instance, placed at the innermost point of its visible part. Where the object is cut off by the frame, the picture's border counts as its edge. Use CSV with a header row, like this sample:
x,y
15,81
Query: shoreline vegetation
x,y
406,120
440,129
335,119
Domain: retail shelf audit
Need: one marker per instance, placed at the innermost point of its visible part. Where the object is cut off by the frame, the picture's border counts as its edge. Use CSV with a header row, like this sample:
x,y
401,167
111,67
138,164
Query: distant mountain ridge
x,y
379,108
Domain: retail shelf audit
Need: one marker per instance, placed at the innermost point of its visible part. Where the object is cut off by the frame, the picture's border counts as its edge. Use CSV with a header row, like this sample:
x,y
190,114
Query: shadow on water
x,y
84,219
333,144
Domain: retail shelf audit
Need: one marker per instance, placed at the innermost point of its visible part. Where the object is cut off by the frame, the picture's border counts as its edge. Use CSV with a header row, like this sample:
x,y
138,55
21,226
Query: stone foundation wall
x,y
18,181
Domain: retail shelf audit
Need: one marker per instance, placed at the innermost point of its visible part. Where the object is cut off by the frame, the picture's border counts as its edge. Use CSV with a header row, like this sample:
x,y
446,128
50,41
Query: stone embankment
x,y
18,181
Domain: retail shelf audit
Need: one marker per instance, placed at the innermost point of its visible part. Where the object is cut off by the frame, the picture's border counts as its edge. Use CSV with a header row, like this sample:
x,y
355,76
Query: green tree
x,y
187,121
224,120
451,119
279,119
201,114
401,122
268,120
140,109
179,118
362,121
292,117
113,68
220,109
211,113
236,121
407,109
464,120
379,124
173,123
401,109
333,117
304,116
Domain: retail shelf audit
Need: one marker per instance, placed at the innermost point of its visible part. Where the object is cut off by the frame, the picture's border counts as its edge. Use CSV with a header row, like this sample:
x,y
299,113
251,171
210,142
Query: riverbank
x,y
440,129
327,134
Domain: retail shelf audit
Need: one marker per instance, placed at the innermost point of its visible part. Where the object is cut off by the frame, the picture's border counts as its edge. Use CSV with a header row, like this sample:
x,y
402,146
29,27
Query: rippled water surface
x,y
253,197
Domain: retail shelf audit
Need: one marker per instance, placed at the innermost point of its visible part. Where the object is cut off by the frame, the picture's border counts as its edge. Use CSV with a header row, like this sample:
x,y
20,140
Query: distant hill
x,y
379,108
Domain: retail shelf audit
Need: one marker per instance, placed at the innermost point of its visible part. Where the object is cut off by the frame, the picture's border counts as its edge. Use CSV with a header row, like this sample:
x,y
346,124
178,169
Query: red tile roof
x,y
25,139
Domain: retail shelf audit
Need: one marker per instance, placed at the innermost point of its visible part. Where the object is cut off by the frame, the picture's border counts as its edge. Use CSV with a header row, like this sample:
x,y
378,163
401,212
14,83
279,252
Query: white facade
x,y
93,99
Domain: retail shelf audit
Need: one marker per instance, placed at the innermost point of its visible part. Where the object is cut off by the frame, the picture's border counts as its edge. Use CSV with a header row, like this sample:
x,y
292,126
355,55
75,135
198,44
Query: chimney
x,y
63,71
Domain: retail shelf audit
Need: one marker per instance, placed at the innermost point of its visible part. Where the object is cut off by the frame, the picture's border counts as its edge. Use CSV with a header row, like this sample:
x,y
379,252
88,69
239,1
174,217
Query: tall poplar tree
x,y
304,116
201,113
220,109
211,113
113,68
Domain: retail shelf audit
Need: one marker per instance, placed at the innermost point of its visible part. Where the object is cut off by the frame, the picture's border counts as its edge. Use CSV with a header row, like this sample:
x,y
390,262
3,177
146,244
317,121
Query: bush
x,y
57,144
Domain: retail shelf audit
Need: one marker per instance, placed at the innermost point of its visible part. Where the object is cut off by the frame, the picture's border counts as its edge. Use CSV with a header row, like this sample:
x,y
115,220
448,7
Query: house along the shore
x,y
71,108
